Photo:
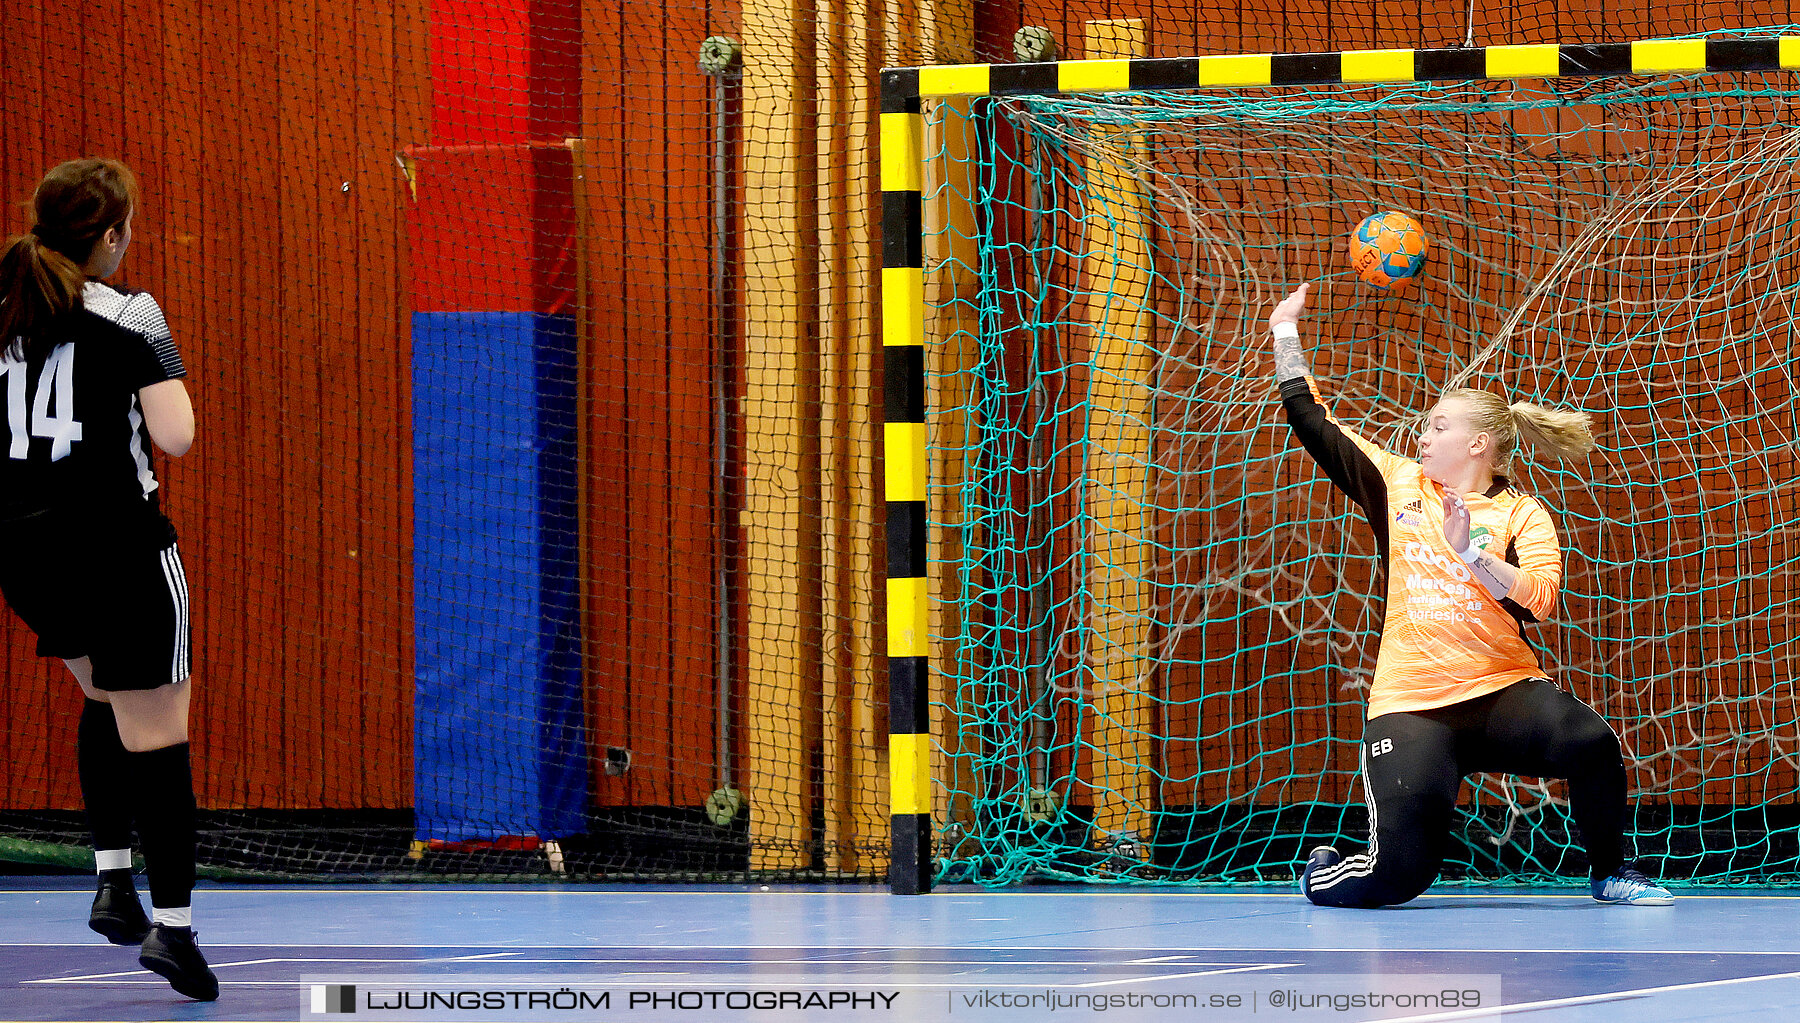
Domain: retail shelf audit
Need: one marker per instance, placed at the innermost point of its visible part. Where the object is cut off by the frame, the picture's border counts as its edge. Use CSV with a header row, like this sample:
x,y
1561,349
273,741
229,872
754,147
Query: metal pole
x,y
721,60
1043,631
1037,43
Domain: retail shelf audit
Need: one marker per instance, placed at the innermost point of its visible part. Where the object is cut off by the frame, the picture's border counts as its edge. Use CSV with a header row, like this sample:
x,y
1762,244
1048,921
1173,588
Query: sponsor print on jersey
x,y
1412,514
1436,587
1481,537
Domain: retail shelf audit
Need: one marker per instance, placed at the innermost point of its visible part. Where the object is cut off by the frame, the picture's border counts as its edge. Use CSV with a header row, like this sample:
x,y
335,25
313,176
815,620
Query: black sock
x,y
106,780
165,780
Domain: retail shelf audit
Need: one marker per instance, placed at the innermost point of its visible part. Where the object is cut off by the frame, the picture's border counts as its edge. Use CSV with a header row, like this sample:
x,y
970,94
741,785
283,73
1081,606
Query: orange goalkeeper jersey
x,y
1445,638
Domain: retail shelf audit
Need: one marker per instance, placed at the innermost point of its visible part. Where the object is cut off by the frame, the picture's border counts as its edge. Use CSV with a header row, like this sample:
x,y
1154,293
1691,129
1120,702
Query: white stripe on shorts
x,y
178,596
1361,864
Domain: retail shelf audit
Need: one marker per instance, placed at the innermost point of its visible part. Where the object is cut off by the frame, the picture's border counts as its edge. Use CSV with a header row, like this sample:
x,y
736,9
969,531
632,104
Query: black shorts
x,y
126,610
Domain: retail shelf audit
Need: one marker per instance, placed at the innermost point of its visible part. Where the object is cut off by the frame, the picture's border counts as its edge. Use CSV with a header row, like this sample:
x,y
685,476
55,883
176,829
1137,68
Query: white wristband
x,y
1469,553
1286,331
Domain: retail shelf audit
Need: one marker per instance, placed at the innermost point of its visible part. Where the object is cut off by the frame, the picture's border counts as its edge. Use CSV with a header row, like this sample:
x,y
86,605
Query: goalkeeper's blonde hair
x,y
1560,433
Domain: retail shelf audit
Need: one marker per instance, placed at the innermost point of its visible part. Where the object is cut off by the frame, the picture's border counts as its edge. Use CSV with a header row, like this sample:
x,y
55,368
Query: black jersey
x,y
74,449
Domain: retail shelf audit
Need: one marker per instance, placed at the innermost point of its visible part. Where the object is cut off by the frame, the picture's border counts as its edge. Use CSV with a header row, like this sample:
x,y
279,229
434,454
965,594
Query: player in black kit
x,y
90,379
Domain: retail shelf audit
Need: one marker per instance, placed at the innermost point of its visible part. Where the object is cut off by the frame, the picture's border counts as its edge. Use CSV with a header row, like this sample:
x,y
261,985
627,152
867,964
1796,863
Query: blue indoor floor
x,y
1555,954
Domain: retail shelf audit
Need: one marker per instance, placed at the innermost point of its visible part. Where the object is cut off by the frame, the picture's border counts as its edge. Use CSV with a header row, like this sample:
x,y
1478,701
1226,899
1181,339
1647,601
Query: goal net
x,y
1161,620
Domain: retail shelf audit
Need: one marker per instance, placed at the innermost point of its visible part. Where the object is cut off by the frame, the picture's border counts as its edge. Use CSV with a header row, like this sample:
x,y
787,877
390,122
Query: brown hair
x,y
1560,433
41,275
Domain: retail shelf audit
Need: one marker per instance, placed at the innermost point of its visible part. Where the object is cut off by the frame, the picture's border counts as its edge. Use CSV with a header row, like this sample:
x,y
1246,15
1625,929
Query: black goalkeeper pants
x,y
1413,767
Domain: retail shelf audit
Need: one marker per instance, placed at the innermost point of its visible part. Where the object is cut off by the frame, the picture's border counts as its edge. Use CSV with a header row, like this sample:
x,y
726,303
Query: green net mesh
x,y
1157,618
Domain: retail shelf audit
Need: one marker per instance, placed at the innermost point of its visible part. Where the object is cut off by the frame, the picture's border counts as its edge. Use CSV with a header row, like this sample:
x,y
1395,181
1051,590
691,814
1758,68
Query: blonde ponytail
x,y
1559,433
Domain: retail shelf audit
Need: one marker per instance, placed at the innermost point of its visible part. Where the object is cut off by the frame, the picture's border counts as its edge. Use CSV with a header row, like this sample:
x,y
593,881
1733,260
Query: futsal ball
x,y
1388,250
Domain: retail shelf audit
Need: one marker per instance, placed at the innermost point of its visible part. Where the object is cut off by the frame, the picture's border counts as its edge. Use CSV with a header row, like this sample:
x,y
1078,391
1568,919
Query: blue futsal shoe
x,y
1322,856
1629,887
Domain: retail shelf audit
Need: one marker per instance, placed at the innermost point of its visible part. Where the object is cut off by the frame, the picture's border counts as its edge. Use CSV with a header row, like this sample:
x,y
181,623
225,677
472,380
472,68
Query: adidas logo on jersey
x,y
1412,514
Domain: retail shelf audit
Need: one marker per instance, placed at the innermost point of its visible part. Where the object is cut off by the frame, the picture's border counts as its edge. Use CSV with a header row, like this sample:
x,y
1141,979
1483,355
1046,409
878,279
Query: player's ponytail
x,y
38,285
41,275
1559,433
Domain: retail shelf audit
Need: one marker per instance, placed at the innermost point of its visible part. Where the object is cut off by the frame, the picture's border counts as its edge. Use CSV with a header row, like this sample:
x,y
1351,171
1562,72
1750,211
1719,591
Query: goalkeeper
x,y
1457,689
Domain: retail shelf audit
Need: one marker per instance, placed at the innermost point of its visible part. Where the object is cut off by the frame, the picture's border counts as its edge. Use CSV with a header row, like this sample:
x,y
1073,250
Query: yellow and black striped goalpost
x,y
903,287
903,437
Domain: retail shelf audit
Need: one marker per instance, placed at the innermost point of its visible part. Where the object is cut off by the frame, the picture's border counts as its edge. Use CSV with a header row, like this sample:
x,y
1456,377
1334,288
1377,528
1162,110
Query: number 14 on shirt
x,y
60,427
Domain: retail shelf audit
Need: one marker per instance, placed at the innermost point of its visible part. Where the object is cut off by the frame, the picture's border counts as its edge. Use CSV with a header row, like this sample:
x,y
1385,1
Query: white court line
x,y
855,982
1289,893
285,959
1158,978
1287,950
1681,895
1555,1003
1085,963
1156,959
310,960
86,977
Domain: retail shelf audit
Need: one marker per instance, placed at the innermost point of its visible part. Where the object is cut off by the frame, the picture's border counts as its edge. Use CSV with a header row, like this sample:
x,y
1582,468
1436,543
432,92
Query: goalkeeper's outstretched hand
x,y
1291,308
